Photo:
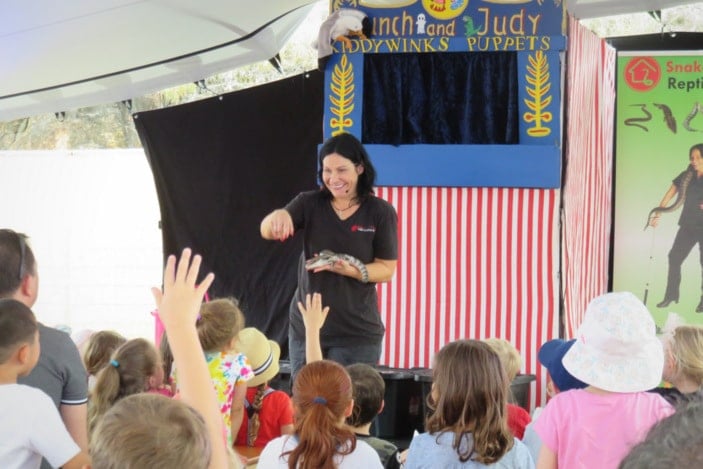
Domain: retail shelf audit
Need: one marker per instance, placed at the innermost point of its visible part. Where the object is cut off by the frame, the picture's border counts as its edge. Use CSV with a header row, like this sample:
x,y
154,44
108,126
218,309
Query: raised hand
x,y
314,315
179,303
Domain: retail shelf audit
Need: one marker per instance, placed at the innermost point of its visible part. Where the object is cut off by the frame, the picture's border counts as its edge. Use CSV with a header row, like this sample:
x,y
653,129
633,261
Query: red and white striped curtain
x,y
587,185
473,263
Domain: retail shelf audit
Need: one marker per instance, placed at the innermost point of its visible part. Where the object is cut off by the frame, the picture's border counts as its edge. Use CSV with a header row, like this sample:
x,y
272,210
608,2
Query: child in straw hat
x,y
269,413
618,355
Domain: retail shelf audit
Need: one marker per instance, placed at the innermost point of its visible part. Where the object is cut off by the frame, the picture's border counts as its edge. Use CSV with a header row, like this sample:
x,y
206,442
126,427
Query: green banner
x,y
659,118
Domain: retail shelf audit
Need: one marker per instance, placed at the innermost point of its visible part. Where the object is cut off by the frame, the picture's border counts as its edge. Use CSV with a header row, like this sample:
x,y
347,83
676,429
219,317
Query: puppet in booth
x,y
340,26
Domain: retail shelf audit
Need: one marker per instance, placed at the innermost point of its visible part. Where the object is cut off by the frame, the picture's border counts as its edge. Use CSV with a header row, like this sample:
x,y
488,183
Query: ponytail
x,y
127,373
322,393
254,423
103,395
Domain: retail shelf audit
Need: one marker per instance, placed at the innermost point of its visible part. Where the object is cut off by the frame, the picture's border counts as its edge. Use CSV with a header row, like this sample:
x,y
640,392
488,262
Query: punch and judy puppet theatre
x,y
459,103
448,93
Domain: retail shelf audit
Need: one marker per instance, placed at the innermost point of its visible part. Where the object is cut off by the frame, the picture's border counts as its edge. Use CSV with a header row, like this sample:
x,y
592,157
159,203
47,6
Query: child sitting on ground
x,y
218,327
160,433
518,418
322,399
619,356
558,380
97,353
31,425
134,367
468,425
269,413
368,389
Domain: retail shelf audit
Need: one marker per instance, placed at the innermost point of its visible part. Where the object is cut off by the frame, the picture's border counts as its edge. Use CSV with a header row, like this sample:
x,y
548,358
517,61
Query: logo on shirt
x,y
363,229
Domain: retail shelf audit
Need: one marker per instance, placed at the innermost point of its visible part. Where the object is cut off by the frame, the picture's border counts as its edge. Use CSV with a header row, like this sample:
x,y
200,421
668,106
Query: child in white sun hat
x,y
619,356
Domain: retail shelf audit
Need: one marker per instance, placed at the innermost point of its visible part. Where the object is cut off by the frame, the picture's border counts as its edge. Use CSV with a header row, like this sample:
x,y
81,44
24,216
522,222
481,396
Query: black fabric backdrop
x,y
220,165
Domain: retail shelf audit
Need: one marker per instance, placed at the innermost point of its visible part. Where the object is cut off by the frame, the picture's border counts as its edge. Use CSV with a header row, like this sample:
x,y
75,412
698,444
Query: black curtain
x,y
441,98
220,165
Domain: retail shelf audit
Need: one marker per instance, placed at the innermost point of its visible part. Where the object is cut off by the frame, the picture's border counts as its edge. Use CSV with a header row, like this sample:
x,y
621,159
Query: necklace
x,y
352,203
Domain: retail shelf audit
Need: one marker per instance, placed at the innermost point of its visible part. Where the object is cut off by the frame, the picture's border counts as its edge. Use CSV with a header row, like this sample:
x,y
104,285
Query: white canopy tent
x,y
584,9
57,56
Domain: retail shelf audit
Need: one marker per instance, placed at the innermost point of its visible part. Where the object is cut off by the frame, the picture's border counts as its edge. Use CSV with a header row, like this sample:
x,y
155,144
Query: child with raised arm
x,y
468,427
618,355
31,426
322,399
148,442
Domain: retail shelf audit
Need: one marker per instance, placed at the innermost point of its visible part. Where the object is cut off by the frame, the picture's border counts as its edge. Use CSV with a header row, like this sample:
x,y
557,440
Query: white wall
x,y
92,217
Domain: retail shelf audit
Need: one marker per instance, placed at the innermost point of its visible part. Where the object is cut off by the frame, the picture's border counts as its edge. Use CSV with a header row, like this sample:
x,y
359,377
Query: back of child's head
x,y
150,431
128,372
508,354
674,442
322,395
16,261
263,356
219,322
17,326
550,356
616,346
368,389
469,395
685,347
99,349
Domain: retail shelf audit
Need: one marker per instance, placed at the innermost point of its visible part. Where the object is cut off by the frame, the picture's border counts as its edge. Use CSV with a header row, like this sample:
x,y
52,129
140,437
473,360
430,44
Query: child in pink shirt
x,y
619,356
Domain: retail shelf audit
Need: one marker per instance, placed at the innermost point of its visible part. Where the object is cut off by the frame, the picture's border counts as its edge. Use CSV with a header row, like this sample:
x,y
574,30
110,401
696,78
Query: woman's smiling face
x,y
340,175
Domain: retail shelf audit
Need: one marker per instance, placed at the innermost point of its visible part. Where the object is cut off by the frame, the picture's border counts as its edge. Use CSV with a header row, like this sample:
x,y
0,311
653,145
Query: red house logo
x,y
642,73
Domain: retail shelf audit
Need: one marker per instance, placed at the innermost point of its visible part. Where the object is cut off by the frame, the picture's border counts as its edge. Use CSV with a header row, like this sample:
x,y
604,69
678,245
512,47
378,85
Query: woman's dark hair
x,y
351,148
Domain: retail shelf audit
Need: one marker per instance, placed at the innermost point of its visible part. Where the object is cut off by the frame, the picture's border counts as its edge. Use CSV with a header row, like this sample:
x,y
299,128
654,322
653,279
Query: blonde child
x,y
269,412
518,418
683,364
618,355
97,352
135,367
218,327
468,425
322,399
31,425
161,433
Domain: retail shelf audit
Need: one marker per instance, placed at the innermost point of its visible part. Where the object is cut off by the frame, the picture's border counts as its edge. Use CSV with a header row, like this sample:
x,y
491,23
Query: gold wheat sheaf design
x,y
538,88
342,96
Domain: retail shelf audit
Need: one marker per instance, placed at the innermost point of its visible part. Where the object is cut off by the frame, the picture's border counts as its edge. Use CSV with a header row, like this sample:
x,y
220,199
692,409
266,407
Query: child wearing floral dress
x,y
218,327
